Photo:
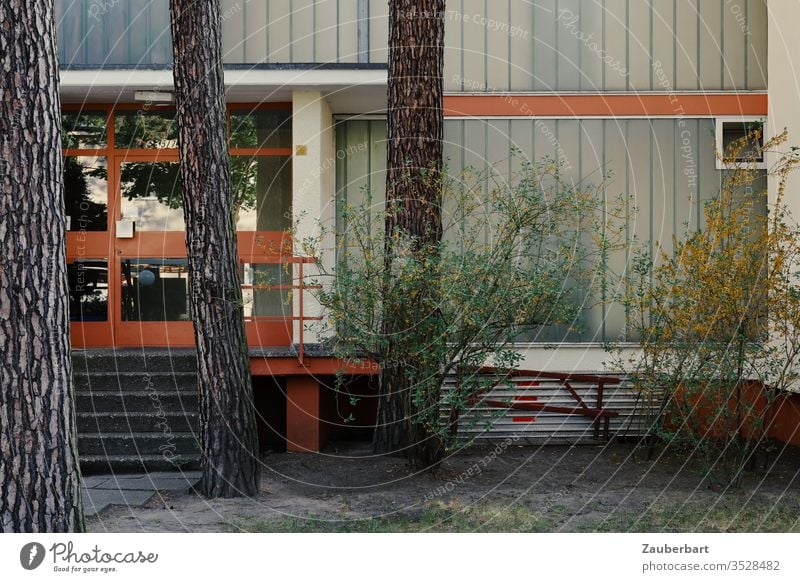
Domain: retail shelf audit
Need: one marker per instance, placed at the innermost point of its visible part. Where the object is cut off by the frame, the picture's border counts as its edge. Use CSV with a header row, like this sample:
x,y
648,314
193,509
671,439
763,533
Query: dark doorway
x,y
269,395
354,409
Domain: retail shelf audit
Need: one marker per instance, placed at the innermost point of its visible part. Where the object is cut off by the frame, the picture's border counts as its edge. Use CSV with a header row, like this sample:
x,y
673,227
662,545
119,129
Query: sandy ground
x,y
567,487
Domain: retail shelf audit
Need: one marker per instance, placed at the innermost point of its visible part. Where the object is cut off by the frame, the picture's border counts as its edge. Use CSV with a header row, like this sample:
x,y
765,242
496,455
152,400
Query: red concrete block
x,y
304,430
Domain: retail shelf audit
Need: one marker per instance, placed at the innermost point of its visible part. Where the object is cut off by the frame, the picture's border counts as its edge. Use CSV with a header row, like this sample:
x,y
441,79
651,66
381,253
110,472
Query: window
x,y
86,193
88,289
745,134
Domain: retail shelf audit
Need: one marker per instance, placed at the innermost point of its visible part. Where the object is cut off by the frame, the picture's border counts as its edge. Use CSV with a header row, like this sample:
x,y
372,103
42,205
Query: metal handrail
x,y
282,259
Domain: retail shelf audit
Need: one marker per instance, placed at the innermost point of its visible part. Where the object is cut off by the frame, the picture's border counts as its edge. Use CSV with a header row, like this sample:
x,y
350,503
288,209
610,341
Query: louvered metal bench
x,y
529,379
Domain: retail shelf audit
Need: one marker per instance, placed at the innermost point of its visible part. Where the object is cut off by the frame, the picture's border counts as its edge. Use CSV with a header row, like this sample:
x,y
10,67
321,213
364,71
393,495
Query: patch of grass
x,y
729,517
435,518
453,517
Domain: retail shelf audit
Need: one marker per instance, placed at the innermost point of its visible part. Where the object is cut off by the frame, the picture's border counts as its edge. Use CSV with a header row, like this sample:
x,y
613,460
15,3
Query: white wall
x,y
784,84
314,179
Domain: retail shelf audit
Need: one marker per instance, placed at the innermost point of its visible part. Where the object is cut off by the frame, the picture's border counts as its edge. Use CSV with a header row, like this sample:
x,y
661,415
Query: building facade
x,y
636,89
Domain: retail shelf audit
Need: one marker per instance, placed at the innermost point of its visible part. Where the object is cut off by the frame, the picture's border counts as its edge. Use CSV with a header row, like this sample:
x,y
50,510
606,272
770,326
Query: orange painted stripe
x,y
595,105
288,366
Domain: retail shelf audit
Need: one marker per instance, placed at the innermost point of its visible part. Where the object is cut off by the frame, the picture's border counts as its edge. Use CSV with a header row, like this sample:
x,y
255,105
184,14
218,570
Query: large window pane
x,y
262,189
155,290
145,129
88,290
271,128
266,290
86,193
151,195
84,129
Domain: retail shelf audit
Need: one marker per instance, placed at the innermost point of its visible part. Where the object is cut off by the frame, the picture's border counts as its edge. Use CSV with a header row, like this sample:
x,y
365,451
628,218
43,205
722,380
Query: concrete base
x,y
101,491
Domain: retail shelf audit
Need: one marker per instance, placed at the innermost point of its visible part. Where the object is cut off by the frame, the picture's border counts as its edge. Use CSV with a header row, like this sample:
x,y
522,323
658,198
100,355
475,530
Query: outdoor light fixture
x,y
154,96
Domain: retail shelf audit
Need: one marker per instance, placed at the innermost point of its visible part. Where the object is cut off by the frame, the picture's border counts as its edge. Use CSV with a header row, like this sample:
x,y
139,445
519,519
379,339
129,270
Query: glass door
x,y
129,280
88,204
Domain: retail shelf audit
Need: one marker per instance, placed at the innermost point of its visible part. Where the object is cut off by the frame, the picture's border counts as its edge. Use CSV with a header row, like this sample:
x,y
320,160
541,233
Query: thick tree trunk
x,y
415,92
229,443
39,473
416,121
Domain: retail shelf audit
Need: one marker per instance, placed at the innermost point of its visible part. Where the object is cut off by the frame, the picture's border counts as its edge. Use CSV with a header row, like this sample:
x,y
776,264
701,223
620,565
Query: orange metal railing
x,y
298,286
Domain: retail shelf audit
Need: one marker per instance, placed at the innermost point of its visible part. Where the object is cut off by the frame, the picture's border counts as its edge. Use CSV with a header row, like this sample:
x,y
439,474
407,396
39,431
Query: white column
x,y
314,187
784,86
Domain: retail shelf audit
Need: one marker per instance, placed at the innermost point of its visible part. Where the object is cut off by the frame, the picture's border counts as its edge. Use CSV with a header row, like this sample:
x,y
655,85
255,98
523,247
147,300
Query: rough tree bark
x,y
229,444
39,473
415,126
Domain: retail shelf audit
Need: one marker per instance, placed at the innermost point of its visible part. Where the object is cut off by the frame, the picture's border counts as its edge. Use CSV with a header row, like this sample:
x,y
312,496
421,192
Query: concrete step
x,y
119,422
147,401
121,464
133,360
139,443
137,410
117,381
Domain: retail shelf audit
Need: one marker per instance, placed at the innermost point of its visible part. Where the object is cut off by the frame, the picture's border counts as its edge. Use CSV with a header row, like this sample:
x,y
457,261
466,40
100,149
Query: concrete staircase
x,y
137,410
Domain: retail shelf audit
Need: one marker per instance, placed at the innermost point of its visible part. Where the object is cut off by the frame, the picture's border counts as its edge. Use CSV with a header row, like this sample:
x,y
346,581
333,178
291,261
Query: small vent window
x,y
745,136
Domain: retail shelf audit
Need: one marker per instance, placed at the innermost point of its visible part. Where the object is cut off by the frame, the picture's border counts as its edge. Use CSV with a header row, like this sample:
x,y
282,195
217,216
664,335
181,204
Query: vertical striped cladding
x,y
664,168
137,32
291,31
360,166
605,45
108,32
497,45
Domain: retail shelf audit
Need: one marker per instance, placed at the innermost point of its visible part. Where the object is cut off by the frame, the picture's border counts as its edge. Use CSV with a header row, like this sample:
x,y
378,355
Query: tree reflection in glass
x,y
86,193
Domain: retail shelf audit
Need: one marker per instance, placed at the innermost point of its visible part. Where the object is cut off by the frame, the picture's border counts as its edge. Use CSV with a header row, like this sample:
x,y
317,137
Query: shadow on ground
x,y
491,488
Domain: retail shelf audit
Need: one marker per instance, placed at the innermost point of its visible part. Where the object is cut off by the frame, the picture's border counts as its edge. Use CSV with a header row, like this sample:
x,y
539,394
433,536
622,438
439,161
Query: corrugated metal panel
x,y
611,45
711,56
234,26
520,46
591,64
615,45
756,44
347,26
483,422
686,48
665,169
545,46
302,31
517,45
253,31
279,33
734,43
378,31
640,45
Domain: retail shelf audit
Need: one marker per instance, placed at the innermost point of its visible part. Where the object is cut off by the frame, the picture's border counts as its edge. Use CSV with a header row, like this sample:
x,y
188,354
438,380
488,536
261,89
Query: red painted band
x,y
595,105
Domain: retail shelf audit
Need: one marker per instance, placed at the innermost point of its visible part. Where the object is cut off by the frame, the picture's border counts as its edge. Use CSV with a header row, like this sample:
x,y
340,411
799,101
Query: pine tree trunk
x,y
415,133
415,118
39,474
229,443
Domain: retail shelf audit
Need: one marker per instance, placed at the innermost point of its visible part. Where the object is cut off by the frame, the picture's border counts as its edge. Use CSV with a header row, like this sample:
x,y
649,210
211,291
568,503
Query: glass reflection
x,y
260,296
86,193
155,290
151,195
269,128
145,129
84,129
88,290
262,189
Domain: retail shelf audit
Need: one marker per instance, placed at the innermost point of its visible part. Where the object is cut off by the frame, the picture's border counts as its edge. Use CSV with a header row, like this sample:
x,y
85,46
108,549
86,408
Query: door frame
x,y
258,246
